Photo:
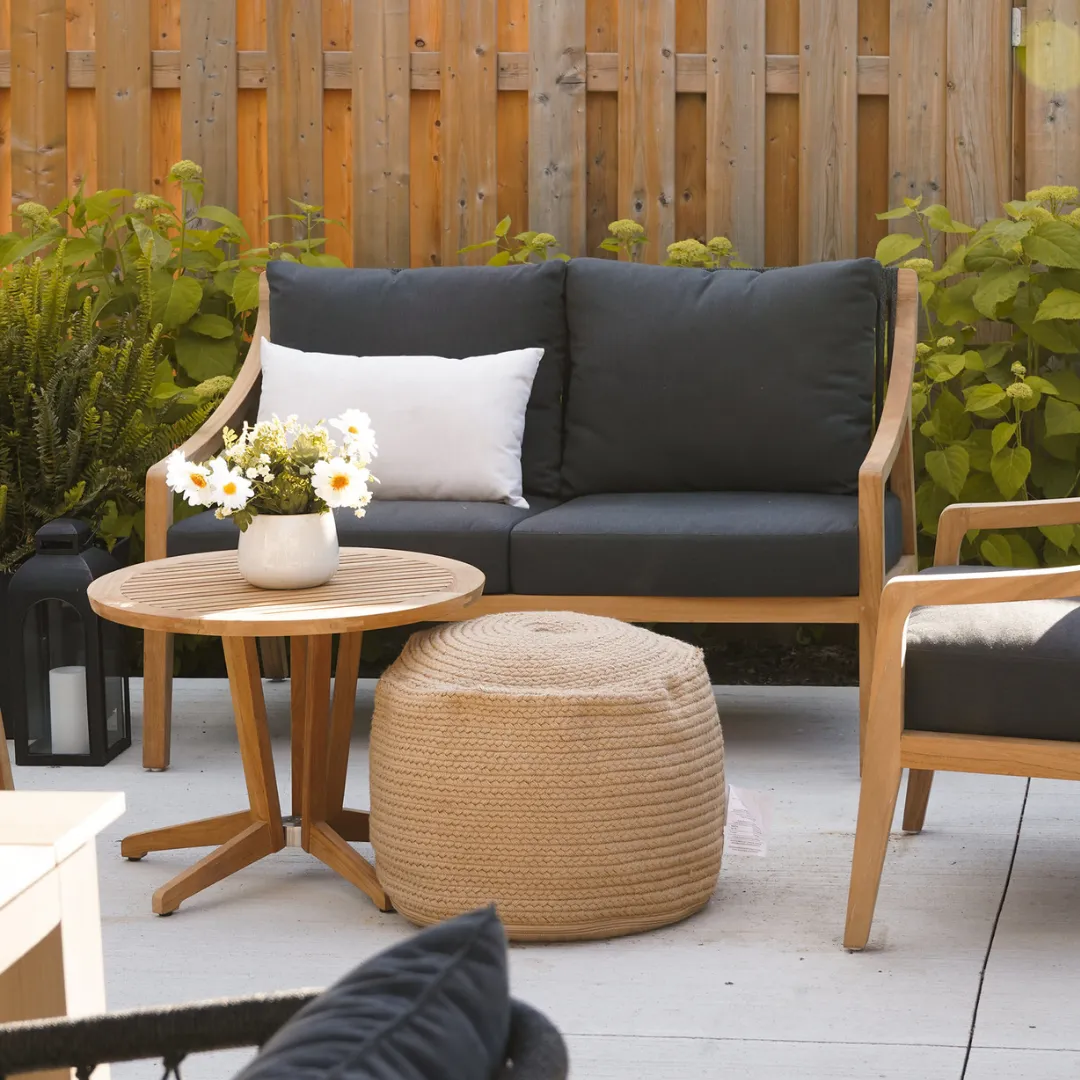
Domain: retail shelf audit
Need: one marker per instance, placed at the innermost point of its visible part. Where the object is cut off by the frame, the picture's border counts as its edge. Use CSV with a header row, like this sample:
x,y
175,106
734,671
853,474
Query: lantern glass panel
x,y
114,671
55,653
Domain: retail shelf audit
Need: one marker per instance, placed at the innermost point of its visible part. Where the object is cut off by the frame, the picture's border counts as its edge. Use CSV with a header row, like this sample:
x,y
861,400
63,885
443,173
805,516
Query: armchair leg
x,y
877,802
157,699
918,794
867,640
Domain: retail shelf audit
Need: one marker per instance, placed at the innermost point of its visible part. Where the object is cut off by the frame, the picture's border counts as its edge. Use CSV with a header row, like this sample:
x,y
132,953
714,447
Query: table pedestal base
x,y
320,824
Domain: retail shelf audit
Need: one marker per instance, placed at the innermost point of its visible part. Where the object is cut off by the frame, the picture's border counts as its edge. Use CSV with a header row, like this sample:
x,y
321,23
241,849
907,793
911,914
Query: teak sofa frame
x,y
890,748
889,459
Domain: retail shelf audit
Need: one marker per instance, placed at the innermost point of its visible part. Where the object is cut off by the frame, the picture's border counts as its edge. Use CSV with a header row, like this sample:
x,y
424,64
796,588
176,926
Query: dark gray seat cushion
x,y
696,544
435,1007
476,533
448,311
733,380
994,669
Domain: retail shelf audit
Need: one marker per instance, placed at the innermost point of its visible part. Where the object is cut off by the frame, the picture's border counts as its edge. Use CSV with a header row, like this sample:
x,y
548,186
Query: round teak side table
x,y
205,594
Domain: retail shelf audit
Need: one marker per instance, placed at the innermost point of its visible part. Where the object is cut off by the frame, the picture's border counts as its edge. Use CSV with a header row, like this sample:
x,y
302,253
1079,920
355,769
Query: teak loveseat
x,y
700,446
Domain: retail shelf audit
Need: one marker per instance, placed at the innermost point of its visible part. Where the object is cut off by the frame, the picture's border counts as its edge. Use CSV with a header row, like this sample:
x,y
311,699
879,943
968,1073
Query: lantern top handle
x,y
63,536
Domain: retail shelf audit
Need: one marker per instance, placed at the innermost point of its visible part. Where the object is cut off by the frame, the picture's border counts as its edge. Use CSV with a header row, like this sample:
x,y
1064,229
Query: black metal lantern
x,y
69,687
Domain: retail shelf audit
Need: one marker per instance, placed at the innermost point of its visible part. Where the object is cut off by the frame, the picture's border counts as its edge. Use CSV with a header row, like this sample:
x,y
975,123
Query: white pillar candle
x,y
67,710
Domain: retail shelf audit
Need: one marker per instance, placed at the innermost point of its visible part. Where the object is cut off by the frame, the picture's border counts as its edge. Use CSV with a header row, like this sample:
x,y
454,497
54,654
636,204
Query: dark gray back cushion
x,y
453,311
732,380
435,1007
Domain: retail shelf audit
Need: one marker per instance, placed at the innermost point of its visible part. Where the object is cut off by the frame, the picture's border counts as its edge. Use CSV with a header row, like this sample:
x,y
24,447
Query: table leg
x,y
341,720
247,836
318,835
298,682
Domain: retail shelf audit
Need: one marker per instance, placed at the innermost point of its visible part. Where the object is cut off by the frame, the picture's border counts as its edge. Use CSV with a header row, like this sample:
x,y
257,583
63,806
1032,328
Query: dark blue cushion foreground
x,y
435,1007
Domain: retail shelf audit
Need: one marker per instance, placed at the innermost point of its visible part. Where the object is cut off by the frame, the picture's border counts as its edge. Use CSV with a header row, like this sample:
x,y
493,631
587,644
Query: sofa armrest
x,y
890,455
958,519
208,439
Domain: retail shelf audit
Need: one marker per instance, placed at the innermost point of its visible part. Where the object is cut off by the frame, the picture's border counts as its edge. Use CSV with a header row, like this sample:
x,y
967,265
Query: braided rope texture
x,y
568,768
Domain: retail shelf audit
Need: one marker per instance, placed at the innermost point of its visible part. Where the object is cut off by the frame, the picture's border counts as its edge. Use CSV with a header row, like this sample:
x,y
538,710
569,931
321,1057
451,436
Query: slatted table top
x,y
205,594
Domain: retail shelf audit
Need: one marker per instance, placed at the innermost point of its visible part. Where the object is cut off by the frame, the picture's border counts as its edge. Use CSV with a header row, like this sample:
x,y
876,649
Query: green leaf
x,y
1060,304
942,367
1067,384
1001,436
996,550
1062,417
949,468
896,213
501,259
1044,386
476,247
918,401
979,450
913,204
215,326
996,286
224,217
203,358
609,243
896,246
503,227
930,500
1023,554
954,303
245,290
1008,234
176,302
1061,536
939,218
973,361
1010,468
1055,244
949,418
953,264
980,487
983,397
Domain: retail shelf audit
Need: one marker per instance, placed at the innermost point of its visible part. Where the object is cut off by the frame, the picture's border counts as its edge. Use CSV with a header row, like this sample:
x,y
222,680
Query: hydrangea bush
x,y
996,395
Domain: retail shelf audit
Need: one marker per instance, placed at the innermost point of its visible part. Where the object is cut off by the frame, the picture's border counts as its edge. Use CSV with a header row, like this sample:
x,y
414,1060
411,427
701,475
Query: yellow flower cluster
x,y
945,342
920,266
1038,214
543,240
1057,194
1018,369
687,253
1020,390
146,202
720,246
184,171
624,229
36,216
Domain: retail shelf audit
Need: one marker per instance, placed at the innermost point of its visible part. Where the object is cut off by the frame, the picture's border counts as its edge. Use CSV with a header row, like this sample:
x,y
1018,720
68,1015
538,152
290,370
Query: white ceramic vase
x,y
289,551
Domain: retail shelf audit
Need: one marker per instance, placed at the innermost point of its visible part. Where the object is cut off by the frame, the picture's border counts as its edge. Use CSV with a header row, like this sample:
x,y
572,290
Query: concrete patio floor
x,y
974,970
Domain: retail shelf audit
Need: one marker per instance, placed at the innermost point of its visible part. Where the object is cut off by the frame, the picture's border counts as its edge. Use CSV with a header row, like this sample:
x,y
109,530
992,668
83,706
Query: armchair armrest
x,y
208,439
958,519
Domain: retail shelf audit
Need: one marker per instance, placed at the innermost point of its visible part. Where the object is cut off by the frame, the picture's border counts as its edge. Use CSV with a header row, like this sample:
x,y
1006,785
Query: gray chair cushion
x,y
449,311
994,669
476,533
733,380
696,544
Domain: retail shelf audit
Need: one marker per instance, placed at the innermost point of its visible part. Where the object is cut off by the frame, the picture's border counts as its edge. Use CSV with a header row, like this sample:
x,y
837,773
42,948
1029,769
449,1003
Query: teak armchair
x,y
894,743
888,461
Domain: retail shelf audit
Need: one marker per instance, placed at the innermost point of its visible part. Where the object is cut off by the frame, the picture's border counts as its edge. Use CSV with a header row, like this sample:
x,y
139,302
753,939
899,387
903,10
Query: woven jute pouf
x,y
566,767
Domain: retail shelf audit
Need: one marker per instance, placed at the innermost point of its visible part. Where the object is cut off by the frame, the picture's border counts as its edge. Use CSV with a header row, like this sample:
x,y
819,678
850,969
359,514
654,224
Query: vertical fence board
x,y
512,120
38,101
691,157
557,121
828,101
917,75
81,111
1053,92
978,161
873,133
251,135
782,143
208,95
735,73
647,118
165,108
425,144
602,131
294,111
469,126
122,53
337,137
381,133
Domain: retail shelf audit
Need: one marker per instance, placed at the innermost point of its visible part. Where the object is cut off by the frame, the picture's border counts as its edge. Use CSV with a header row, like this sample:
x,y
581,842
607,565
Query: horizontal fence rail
x,y
783,124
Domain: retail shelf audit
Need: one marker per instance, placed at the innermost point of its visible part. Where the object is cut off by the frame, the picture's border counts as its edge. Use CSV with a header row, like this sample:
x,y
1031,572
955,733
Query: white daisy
x,y
231,488
190,479
338,482
358,438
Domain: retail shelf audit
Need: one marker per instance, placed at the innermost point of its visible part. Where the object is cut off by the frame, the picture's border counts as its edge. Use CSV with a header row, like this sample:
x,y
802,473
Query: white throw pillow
x,y
447,429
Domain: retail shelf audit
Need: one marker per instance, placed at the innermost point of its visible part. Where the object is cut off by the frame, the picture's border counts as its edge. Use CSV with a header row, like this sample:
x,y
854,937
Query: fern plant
x,y
83,412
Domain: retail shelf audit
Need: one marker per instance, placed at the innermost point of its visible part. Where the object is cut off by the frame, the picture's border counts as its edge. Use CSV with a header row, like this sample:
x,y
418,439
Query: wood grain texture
x,y
647,120
691,158
735,123
122,53
469,126
1052,90
425,141
978,115
208,88
512,115
917,105
294,109
557,122
782,142
828,101
38,101
252,142
380,112
7,783
873,130
601,132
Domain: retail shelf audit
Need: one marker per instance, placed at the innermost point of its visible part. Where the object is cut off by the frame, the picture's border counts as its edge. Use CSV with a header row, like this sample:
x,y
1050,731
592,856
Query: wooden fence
x,y
420,123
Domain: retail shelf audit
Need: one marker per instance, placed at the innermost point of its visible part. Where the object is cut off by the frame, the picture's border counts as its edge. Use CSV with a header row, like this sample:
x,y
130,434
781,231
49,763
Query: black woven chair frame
x,y
536,1050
